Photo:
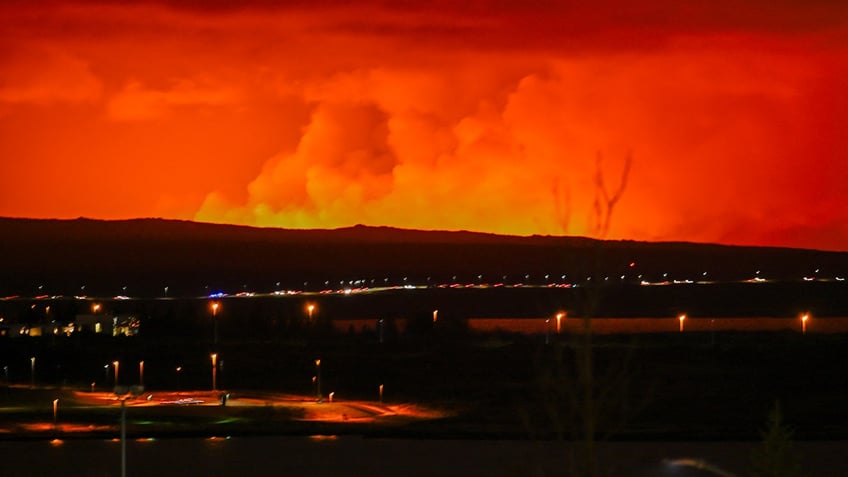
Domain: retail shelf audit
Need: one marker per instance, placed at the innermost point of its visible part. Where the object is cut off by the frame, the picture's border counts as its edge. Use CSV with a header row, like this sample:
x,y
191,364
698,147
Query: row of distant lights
x,y
362,285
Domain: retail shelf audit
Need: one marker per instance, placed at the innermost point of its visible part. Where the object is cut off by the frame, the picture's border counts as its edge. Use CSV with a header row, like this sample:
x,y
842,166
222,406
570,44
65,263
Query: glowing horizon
x,y
432,116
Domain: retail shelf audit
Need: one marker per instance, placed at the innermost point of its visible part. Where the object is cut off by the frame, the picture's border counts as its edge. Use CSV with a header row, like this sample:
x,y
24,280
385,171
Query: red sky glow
x,y
485,116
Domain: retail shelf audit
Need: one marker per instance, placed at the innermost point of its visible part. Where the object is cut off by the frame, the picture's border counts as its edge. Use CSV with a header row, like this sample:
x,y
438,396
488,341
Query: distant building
x,y
98,324
112,325
125,325
15,330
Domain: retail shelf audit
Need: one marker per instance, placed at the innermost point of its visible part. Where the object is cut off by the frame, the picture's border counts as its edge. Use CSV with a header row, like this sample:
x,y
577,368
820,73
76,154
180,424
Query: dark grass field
x,y
690,386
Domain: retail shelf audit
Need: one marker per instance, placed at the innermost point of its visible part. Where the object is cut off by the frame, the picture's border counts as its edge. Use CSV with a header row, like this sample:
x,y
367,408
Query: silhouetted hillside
x,y
145,255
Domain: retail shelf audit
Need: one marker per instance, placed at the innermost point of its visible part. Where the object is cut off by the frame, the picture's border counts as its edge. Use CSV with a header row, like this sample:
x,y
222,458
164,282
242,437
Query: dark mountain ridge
x,y
148,254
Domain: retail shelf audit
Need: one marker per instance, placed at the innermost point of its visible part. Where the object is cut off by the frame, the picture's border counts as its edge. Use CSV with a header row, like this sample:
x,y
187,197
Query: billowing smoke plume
x,y
432,115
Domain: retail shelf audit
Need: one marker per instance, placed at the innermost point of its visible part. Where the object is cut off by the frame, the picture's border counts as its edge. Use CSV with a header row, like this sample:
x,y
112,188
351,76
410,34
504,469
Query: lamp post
x,y
435,315
381,394
55,413
179,370
681,319
124,437
116,365
804,318
215,305
214,357
32,371
559,317
310,309
141,373
318,380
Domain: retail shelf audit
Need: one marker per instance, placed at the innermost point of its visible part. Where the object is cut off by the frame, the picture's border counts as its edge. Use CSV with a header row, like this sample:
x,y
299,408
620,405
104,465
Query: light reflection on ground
x,y
63,428
305,408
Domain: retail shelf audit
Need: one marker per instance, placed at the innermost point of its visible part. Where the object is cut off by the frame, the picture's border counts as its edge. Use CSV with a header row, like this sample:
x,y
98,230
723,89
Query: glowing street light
x,y
32,371
310,309
435,315
681,318
55,412
95,307
214,357
141,373
179,370
116,365
559,317
804,318
318,380
214,306
381,394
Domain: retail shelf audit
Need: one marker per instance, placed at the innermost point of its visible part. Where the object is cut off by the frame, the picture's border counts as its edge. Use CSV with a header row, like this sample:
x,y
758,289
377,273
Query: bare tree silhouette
x,y
604,201
578,398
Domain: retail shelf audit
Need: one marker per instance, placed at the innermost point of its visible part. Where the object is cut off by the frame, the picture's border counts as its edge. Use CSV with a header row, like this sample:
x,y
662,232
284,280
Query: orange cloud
x,y
136,102
46,75
432,115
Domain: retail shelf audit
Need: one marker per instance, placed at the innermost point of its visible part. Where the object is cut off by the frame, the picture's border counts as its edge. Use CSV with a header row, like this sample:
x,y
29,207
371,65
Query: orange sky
x,y
451,115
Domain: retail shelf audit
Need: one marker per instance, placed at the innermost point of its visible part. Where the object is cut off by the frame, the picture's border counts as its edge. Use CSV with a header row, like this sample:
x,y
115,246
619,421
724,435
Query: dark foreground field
x,y
676,386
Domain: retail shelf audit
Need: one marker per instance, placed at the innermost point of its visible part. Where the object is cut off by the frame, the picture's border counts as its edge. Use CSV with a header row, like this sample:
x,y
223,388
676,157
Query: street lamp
x,y
435,315
179,370
804,318
95,307
141,373
559,317
32,372
381,394
214,357
55,412
318,380
681,318
310,309
116,365
215,305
